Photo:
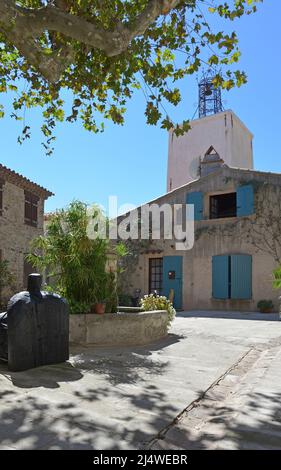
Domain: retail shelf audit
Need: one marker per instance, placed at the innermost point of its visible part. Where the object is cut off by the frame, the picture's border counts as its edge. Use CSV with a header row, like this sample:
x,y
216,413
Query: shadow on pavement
x,y
30,422
258,427
123,365
46,376
110,408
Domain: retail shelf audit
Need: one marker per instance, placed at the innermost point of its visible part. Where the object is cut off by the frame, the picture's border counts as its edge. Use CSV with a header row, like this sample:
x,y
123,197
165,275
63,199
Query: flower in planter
x,y
158,302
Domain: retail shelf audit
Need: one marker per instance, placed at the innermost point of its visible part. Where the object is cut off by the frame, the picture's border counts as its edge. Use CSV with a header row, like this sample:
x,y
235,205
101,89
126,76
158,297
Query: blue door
x,y
172,278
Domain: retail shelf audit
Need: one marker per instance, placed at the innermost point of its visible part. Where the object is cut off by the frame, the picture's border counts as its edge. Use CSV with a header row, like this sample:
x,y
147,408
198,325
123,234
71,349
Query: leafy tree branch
x,y
99,49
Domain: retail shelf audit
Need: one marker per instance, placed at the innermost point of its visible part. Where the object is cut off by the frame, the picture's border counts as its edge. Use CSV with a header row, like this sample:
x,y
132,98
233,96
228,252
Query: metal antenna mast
x,y
209,96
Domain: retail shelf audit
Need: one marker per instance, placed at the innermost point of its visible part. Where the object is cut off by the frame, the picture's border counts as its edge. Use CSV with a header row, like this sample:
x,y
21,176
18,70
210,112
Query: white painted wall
x,y
224,131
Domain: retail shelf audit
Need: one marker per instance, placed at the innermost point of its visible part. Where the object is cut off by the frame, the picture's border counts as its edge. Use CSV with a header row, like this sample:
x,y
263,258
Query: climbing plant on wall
x,y
263,229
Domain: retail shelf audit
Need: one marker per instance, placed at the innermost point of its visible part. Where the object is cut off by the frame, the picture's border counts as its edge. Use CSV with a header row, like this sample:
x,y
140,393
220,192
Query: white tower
x,y
223,131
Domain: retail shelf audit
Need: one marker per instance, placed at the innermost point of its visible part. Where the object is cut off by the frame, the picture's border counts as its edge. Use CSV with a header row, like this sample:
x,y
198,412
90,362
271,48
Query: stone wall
x,y
214,237
224,131
118,329
15,235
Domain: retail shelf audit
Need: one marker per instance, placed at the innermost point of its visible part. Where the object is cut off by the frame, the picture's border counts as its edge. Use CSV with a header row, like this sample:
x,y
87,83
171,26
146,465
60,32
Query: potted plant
x,y
99,307
101,293
265,306
76,261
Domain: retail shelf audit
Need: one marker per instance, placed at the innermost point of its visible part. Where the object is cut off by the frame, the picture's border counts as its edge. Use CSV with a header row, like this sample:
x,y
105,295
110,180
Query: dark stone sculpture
x,y
136,298
37,328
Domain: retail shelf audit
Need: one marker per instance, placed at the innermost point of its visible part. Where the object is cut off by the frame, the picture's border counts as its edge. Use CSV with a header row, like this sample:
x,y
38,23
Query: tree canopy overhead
x,y
104,50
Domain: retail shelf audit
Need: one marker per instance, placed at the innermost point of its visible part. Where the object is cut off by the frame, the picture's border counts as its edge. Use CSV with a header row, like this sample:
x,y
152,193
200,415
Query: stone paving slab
x,y
122,398
244,416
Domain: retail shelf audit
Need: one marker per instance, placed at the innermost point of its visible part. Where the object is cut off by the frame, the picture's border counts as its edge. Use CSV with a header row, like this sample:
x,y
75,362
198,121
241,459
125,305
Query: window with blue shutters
x,y
232,277
245,200
196,199
223,206
236,204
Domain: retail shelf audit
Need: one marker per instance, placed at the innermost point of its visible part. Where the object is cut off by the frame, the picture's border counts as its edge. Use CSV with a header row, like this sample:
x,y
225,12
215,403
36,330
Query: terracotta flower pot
x,y
99,308
266,310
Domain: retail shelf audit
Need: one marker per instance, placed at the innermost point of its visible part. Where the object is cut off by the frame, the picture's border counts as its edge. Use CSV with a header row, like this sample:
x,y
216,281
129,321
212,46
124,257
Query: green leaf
x,y
171,48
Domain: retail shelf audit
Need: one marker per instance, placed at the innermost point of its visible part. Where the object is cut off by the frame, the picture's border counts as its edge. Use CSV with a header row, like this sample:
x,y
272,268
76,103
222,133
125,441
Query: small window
x,y
156,275
1,196
223,205
31,209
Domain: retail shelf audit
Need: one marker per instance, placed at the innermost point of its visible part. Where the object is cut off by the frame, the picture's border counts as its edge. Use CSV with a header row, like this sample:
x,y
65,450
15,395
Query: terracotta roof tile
x,y
15,178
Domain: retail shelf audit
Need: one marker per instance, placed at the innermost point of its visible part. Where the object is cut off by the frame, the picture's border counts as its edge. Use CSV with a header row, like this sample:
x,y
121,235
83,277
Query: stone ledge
x,y
118,329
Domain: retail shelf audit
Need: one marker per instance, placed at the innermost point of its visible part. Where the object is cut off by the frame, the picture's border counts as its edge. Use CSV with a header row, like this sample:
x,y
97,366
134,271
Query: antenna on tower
x,y
210,101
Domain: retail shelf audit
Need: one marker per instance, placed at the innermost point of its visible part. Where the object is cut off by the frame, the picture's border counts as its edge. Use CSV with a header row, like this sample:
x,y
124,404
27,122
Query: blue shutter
x,y
245,200
241,277
220,277
196,199
173,263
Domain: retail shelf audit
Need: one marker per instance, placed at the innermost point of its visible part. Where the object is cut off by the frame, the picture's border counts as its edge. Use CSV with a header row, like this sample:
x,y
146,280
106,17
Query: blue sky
x,y
131,161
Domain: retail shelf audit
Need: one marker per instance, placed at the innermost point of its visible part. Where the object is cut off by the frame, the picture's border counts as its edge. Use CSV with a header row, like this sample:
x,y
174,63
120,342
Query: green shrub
x,y
111,292
79,307
6,278
152,302
76,263
265,305
125,300
277,278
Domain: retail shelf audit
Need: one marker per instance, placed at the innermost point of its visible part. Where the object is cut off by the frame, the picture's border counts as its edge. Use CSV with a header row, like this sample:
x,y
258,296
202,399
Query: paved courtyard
x,y
215,382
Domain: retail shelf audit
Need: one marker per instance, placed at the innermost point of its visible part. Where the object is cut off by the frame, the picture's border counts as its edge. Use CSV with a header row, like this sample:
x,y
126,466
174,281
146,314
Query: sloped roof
x,y
231,171
19,180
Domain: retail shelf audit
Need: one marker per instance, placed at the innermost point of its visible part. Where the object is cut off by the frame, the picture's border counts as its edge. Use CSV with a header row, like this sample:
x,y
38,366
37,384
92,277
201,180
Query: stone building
x,y
223,131
226,261
237,244
21,220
